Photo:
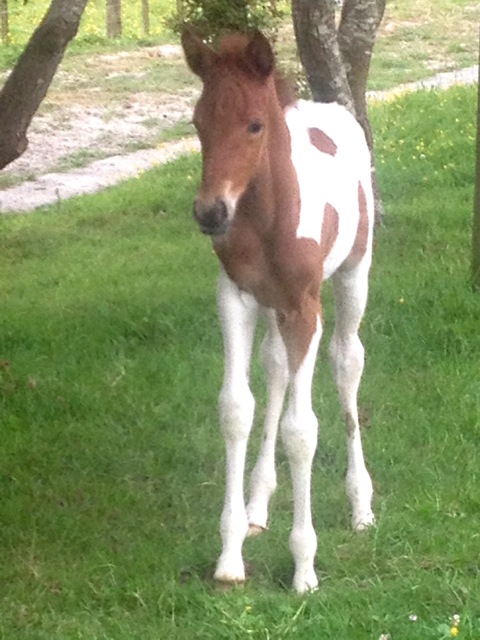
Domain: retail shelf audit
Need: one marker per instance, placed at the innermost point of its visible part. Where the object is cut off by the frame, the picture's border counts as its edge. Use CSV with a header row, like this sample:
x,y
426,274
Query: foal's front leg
x,y
238,314
299,434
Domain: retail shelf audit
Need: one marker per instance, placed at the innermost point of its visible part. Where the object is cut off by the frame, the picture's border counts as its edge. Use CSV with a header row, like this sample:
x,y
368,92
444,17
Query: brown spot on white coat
x,y
322,141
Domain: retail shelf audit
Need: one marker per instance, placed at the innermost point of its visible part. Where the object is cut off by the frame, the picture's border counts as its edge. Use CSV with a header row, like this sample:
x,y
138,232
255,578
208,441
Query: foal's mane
x,y
231,53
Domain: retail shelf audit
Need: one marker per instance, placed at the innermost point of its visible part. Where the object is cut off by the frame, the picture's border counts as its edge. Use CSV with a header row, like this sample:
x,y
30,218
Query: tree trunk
x,y
114,18
30,79
356,39
146,17
476,205
4,28
316,36
337,63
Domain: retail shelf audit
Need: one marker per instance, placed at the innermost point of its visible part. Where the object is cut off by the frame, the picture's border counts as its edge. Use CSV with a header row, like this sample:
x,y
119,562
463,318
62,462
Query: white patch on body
x,y
324,178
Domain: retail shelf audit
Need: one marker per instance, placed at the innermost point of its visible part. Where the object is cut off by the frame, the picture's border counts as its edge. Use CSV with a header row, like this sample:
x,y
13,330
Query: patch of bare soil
x,y
65,135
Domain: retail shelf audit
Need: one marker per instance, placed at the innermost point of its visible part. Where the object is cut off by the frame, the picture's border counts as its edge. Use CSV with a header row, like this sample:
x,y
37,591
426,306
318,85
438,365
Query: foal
x,y
286,198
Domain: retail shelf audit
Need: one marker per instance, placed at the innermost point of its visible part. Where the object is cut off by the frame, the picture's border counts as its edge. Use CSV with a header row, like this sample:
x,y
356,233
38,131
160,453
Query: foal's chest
x,y
278,273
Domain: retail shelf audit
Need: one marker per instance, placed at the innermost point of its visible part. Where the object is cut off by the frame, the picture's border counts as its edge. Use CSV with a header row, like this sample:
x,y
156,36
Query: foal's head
x,y
232,118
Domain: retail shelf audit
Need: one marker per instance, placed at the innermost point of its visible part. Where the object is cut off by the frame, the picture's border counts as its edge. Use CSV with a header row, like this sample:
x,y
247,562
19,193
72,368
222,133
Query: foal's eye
x,y
255,127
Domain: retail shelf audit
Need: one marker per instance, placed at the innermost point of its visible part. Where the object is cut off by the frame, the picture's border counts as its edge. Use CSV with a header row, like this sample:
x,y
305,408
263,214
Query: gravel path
x,y
54,187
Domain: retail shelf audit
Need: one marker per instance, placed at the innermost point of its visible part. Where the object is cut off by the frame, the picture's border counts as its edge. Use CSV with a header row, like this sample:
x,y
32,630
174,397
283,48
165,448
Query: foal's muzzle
x,y
213,218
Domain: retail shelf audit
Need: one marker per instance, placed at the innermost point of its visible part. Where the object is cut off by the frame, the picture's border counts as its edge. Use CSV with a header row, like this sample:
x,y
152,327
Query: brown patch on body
x,y
329,230
360,244
281,271
321,141
350,424
300,323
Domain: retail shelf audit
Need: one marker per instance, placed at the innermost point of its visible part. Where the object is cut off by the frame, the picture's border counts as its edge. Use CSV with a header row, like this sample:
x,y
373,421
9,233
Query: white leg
x,y
264,481
299,435
347,357
238,314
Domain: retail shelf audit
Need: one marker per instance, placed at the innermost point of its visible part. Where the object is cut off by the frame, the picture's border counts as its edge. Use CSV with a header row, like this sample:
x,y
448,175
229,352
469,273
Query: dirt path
x,y
57,134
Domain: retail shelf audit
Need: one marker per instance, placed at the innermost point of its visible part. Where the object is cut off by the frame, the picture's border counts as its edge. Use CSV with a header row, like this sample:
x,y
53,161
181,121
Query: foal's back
x,y
332,162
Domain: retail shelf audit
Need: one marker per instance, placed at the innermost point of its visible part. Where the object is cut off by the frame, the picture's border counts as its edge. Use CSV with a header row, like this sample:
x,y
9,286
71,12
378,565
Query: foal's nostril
x,y
212,219
219,212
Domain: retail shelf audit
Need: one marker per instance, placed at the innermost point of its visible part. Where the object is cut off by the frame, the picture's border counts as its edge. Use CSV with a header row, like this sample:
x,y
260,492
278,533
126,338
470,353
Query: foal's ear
x,y
259,55
199,55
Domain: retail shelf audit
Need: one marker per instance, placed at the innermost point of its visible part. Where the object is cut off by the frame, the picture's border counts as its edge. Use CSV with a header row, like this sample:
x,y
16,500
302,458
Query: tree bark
x,y
476,203
316,36
146,17
337,63
30,79
114,18
356,38
4,27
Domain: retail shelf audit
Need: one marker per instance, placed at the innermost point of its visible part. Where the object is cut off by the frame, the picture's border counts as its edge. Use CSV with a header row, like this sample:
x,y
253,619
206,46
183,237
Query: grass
x,y
80,158
92,32
8,180
180,130
111,459
417,40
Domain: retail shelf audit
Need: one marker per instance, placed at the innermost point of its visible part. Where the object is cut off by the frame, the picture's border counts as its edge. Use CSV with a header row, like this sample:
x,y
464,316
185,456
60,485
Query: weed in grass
x,y
178,131
7,181
79,159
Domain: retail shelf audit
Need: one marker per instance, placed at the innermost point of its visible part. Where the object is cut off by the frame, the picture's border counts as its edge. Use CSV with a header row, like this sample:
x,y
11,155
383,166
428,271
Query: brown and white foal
x,y
286,198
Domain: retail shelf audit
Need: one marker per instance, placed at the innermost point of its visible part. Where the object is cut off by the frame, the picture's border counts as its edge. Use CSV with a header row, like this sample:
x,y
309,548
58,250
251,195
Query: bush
x,y
211,18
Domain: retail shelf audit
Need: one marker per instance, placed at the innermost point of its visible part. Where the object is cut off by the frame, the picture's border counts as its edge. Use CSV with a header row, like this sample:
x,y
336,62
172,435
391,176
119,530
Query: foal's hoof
x,y
362,522
230,572
307,583
255,530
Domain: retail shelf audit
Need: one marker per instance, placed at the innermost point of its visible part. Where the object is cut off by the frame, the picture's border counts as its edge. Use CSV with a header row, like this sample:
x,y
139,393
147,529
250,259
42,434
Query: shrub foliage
x,y
212,18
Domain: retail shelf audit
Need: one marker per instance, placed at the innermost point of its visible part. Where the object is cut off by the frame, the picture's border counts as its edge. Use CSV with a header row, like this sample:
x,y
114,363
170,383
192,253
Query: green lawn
x,y
111,462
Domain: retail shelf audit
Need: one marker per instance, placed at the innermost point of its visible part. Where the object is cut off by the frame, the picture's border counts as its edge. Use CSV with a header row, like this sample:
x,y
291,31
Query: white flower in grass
x,y
455,619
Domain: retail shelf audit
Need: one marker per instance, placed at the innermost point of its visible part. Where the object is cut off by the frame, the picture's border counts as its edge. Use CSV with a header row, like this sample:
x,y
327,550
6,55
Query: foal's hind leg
x,y
238,313
264,480
347,357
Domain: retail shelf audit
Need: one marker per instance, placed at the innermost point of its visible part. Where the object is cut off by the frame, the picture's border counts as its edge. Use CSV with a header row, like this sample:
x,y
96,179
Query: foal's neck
x,y
274,194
